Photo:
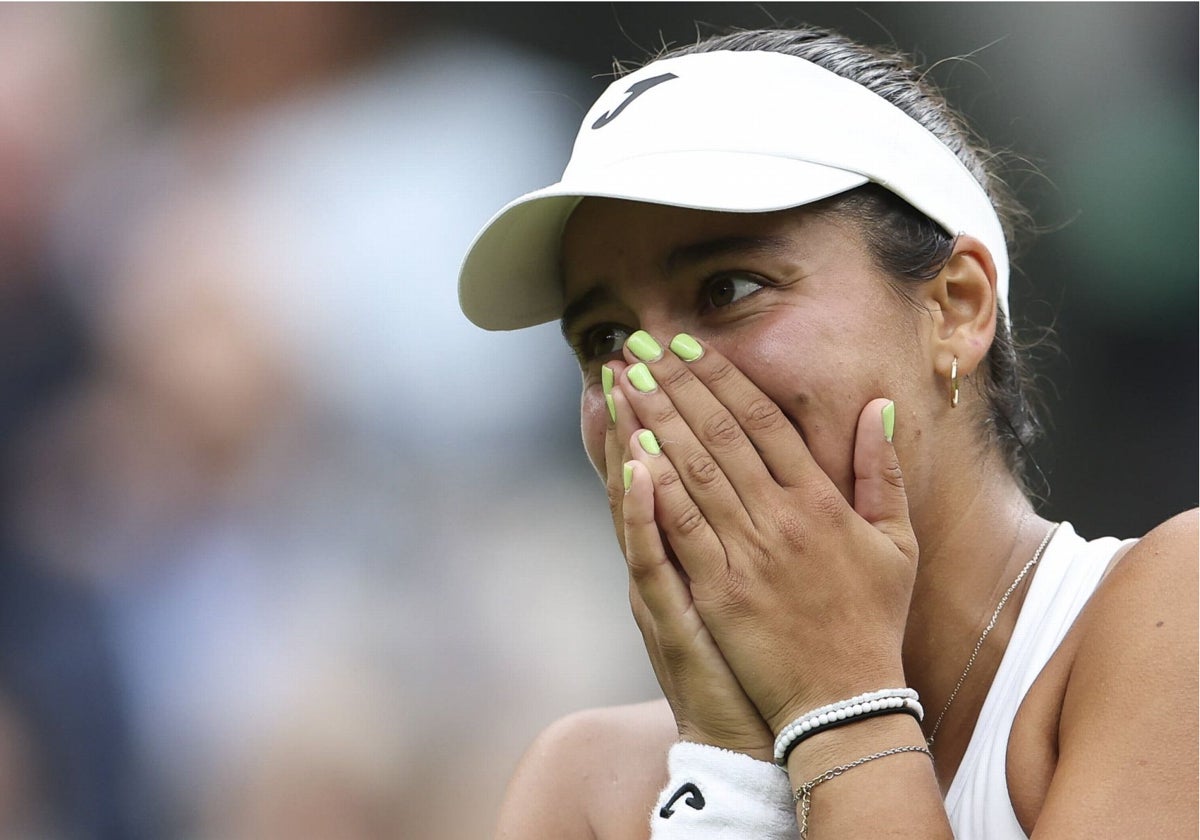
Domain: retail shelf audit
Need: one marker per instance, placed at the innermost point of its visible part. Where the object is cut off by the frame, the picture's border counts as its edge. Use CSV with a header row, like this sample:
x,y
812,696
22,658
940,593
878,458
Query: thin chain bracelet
x,y
803,794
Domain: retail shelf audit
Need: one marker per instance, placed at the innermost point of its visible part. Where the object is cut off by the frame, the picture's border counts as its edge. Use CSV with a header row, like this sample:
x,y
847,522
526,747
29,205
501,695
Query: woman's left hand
x,y
805,595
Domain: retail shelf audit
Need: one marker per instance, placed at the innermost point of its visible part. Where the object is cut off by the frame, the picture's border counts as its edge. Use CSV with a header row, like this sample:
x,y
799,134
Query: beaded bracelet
x,y
872,704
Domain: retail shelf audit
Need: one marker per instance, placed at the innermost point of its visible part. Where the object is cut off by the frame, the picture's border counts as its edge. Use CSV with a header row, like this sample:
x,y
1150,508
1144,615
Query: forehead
x,y
604,234
603,230
600,220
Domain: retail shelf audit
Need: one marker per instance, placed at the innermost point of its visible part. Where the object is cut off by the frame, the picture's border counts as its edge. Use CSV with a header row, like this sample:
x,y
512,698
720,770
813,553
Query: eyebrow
x,y
574,311
687,255
679,258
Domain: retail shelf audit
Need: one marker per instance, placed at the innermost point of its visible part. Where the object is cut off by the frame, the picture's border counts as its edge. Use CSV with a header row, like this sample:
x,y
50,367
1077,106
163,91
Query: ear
x,y
962,302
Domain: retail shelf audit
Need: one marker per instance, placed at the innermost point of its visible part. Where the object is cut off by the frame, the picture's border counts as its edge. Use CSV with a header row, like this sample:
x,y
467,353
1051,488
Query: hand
x,y
709,705
805,595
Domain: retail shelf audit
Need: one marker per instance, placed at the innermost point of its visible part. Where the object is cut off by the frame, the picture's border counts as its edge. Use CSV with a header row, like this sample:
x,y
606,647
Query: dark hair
x,y
904,242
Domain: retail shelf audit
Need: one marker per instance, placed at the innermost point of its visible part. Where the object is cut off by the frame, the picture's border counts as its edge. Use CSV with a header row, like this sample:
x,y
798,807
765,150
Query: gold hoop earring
x,y
954,383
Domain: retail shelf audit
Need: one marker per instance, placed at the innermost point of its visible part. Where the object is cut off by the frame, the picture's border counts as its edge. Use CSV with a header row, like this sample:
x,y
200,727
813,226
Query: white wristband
x,y
715,794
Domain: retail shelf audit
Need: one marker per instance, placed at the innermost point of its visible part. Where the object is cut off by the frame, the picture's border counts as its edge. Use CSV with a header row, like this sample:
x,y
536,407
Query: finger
x,y
778,443
879,494
657,584
645,625
621,424
699,436
690,535
708,704
681,650
735,417
647,561
690,405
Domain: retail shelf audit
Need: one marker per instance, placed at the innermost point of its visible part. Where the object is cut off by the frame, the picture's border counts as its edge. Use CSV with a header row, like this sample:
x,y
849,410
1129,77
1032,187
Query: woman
x,y
783,266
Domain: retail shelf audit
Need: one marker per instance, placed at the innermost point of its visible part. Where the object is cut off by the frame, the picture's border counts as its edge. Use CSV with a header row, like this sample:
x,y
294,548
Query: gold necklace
x,y
1037,556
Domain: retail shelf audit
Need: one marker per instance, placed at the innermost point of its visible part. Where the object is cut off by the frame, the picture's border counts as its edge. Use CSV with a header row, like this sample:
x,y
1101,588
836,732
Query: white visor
x,y
747,132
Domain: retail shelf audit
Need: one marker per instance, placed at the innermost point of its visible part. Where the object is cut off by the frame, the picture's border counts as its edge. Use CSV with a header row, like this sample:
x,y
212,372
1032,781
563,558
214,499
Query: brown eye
x,y
603,340
725,289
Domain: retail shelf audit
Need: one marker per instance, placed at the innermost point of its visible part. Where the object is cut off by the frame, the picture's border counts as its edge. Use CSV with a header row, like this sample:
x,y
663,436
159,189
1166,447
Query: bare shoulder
x,y
1128,726
1174,540
1152,588
592,775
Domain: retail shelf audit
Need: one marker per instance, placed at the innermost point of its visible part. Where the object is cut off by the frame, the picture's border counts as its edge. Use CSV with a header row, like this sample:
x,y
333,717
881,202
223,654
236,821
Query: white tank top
x,y
1070,570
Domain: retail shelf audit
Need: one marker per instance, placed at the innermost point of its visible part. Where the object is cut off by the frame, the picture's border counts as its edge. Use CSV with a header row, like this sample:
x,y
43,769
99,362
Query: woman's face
x,y
793,299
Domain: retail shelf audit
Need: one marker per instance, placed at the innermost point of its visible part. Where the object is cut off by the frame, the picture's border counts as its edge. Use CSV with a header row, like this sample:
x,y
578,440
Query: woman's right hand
x,y
709,704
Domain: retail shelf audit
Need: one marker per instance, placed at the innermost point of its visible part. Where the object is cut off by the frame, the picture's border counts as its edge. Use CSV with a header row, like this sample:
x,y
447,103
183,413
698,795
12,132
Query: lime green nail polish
x,y
606,382
889,421
643,346
649,442
640,376
686,347
627,474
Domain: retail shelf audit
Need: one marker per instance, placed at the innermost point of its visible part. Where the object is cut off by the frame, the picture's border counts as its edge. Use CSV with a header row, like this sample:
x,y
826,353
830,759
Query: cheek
x,y
593,423
809,374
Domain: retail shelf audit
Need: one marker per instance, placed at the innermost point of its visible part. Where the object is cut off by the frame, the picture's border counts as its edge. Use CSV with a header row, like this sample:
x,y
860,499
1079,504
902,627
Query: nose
x,y
665,326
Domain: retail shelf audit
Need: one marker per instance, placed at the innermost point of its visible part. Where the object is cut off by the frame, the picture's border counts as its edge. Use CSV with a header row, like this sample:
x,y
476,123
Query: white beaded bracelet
x,y
873,703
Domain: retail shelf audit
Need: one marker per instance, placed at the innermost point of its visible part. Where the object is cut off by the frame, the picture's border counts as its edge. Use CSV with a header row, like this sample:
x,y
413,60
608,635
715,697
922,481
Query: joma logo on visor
x,y
634,92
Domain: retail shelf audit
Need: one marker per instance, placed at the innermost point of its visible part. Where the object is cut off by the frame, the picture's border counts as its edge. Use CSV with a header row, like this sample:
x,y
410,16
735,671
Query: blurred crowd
x,y
268,499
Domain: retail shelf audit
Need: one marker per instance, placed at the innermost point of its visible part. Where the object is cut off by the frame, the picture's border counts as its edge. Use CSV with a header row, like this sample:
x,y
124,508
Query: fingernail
x,y
686,347
606,382
649,442
627,475
642,345
889,421
640,376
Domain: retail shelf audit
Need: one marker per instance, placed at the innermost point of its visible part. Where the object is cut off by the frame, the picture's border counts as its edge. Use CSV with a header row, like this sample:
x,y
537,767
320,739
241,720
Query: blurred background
x,y
288,549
